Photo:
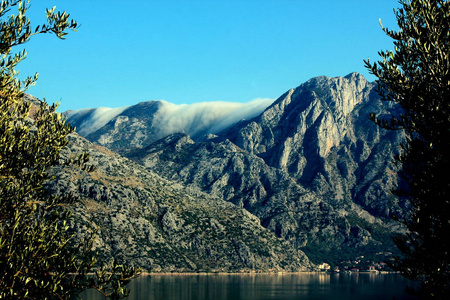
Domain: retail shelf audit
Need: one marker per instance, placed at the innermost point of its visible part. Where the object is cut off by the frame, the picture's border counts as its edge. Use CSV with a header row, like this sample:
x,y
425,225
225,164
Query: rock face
x,y
320,134
311,168
162,226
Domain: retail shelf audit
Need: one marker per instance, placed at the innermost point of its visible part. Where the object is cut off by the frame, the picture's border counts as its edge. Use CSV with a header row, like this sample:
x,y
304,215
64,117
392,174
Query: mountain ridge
x,y
311,167
158,119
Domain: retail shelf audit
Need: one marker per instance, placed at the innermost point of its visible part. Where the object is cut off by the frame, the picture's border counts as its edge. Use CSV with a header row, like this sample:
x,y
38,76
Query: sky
x,y
190,51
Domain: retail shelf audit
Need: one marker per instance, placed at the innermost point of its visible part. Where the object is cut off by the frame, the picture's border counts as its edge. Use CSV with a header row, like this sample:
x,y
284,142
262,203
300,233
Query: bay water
x,y
290,286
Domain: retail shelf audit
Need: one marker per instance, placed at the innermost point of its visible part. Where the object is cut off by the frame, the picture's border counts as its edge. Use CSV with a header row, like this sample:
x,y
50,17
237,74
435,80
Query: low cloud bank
x,y
193,119
93,118
209,117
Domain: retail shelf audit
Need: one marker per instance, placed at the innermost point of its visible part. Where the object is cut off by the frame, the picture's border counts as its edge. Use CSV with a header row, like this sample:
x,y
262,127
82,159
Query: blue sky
x,y
186,51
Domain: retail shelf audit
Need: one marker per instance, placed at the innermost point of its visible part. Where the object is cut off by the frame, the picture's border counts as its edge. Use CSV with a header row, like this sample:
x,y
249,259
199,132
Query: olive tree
x,y
416,77
41,257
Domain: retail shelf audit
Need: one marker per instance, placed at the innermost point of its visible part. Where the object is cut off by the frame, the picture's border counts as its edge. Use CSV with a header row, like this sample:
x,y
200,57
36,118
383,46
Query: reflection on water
x,y
304,286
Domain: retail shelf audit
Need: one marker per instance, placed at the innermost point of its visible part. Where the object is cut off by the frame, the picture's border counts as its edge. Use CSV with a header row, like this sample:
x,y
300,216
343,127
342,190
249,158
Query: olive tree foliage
x,y
416,76
40,255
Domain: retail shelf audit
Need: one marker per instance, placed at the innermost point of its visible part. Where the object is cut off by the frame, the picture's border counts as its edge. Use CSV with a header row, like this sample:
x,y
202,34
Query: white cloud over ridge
x,y
192,119
210,117
98,117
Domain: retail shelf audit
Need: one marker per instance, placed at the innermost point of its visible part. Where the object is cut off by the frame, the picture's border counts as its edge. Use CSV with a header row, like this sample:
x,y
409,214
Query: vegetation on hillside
x,y
40,256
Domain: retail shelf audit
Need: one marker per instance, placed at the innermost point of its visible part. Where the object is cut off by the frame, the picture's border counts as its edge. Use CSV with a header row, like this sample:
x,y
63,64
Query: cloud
x,y
194,119
206,117
96,118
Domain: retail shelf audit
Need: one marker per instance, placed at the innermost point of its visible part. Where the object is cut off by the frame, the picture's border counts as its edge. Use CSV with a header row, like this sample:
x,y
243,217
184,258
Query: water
x,y
304,286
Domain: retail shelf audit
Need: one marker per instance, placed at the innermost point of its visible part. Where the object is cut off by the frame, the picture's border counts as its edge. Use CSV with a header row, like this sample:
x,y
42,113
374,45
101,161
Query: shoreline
x,y
260,273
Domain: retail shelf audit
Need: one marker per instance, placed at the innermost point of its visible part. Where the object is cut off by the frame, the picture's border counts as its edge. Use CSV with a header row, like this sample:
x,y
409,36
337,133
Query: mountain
x,y
136,126
311,167
162,226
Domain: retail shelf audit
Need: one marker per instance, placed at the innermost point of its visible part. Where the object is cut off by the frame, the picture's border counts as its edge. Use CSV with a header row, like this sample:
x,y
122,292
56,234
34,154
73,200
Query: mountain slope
x,y
162,226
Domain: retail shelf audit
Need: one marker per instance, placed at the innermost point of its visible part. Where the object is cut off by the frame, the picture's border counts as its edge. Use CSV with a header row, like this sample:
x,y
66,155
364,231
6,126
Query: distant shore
x,y
260,273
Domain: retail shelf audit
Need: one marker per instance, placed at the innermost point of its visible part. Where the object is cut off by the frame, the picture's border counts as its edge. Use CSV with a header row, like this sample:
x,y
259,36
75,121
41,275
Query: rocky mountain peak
x,y
315,115
340,93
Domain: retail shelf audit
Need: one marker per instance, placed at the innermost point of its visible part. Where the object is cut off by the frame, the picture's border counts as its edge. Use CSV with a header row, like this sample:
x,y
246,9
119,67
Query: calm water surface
x,y
304,286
